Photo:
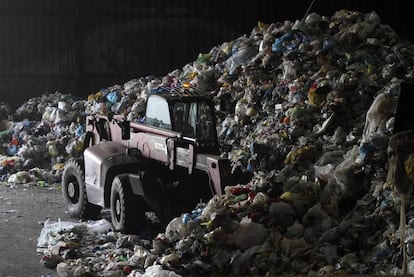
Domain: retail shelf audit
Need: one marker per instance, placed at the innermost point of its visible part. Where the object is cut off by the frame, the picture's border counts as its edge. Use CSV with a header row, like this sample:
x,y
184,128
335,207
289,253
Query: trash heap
x,y
37,138
308,108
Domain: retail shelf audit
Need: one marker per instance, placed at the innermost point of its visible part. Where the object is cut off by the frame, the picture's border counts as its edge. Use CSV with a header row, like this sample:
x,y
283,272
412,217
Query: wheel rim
x,y
118,208
73,191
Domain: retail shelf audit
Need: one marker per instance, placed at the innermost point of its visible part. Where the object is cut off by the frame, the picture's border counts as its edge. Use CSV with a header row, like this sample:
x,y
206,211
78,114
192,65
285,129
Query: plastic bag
x,y
241,56
325,172
21,177
248,234
380,111
154,271
99,226
50,230
112,97
177,230
288,69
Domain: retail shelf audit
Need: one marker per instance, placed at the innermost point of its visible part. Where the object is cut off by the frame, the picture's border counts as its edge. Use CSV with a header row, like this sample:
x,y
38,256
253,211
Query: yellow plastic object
x,y
287,196
301,154
315,97
262,25
58,166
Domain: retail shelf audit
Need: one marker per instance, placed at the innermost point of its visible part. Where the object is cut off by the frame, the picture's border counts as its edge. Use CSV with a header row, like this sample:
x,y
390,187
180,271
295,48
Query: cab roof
x,y
182,96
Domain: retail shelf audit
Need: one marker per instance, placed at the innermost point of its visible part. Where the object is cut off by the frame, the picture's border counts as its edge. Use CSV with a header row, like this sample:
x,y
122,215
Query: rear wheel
x,y
74,192
127,212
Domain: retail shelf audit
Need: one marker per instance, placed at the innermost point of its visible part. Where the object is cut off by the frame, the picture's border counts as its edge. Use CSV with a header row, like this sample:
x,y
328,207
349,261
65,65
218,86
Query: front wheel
x,y
127,215
74,192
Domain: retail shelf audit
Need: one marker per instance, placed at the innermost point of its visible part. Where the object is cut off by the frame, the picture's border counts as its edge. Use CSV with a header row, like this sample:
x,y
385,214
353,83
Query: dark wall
x,y
78,47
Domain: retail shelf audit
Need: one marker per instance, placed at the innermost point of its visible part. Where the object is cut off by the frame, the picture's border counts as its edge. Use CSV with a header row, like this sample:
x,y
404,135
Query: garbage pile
x,y
308,107
38,137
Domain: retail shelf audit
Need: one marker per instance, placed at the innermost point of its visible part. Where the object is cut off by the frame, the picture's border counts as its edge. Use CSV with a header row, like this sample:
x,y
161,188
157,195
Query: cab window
x,y
194,119
206,126
184,119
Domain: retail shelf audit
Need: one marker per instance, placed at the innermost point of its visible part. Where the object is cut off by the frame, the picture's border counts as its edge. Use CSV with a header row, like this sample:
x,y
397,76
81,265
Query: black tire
x,y
74,192
127,213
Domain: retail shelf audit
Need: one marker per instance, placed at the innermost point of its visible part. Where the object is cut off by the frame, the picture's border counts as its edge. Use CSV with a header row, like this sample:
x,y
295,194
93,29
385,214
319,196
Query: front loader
x,y
165,164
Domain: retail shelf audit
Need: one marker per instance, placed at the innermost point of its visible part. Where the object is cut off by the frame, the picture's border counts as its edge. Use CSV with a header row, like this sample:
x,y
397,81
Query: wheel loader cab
x,y
191,116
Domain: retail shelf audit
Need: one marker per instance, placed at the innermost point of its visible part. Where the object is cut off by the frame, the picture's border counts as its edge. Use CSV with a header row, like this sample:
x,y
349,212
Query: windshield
x,y
157,113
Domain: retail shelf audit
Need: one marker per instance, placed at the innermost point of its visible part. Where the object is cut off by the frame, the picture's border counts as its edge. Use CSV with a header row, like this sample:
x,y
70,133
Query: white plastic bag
x,y
49,234
99,226
154,271
248,234
50,230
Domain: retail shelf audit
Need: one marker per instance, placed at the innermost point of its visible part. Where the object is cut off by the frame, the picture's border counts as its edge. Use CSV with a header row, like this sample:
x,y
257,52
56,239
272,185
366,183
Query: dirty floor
x,y
23,209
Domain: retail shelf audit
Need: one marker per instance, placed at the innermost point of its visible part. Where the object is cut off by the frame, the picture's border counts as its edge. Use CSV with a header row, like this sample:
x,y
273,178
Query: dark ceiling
x,y
78,47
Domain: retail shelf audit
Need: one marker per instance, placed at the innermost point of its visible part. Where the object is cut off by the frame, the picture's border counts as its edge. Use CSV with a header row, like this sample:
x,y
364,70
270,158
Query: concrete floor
x,y
23,210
